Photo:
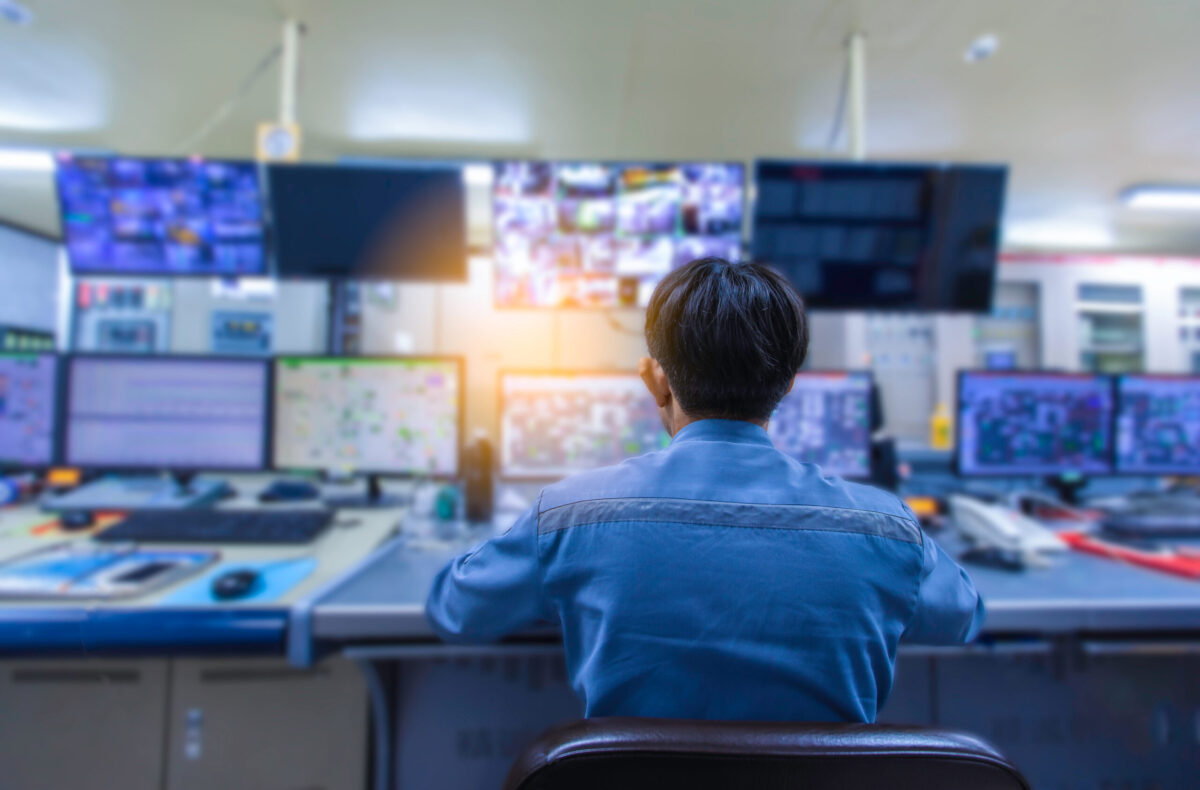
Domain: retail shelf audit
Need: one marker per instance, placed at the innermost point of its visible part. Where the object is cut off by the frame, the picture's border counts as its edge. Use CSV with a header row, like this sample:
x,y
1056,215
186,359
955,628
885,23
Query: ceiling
x,y
1082,98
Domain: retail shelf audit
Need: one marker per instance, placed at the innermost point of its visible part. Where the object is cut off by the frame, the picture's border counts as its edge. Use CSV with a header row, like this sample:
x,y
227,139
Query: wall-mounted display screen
x,y
123,215
601,235
869,236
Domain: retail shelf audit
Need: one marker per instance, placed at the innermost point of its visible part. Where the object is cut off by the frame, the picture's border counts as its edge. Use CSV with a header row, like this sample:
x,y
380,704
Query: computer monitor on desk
x,y
826,419
180,414
28,409
1014,424
379,416
556,424
1158,425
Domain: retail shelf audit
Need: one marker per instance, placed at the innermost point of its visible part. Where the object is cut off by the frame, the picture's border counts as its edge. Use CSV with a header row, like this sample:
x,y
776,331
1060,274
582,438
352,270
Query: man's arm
x,y
949,610
493,591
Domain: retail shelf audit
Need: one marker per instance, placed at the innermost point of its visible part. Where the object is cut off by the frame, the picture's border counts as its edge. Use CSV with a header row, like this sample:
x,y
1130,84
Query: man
x,y
718,578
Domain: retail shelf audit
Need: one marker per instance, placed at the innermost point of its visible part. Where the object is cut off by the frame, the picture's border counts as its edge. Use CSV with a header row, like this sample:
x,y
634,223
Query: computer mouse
x,y
235,584
72,520
289,491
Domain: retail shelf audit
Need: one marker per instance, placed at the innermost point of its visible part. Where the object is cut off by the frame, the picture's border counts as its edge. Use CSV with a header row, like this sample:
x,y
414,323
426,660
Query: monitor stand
x,y
373,498
179,491
1067,487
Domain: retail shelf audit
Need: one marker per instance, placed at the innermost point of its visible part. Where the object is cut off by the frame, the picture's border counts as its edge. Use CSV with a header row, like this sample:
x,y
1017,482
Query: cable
x,y
189,145
840,113
617,325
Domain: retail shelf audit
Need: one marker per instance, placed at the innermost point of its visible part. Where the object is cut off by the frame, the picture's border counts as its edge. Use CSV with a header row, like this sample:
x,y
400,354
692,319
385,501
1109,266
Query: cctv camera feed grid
x,y
1158,425
602,235
384,416
1012,424
166,413
27,387
161,216
553,425
869,236
826,420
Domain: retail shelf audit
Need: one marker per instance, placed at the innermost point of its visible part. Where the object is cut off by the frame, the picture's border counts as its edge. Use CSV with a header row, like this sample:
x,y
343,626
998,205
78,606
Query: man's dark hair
x,y
729,336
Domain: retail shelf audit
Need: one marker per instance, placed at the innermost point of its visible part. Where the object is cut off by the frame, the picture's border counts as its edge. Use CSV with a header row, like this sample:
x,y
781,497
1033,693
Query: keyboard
x,y
220,526
1163,516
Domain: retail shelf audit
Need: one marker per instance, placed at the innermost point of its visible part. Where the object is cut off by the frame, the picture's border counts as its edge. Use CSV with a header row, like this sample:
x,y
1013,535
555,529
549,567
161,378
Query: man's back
x,y
716,579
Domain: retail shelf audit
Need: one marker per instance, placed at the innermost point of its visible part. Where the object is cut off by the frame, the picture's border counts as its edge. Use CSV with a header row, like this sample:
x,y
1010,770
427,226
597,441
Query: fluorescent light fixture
x,y
477,175
1058,234
1162,197
26,159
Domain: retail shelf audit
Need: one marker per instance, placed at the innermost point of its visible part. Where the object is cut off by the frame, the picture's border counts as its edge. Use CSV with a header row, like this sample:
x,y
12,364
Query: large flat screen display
x,y
123,215
867,236
601,235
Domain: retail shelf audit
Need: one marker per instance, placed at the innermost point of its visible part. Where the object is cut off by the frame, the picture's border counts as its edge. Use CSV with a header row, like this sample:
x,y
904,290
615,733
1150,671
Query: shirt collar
x,y
736,431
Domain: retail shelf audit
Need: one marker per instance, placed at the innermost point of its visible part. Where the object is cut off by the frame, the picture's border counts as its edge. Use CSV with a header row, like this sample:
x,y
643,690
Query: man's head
x,y
726,341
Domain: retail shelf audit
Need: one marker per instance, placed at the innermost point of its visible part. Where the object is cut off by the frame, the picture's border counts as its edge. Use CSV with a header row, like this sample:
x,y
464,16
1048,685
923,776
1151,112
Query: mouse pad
x,y
277,578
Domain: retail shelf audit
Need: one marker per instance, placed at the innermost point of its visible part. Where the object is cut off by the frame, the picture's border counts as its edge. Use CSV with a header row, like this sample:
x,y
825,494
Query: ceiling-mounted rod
x,y
856,52
290,69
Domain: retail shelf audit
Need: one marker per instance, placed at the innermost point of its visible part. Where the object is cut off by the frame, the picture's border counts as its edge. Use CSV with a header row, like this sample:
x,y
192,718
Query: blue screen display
x,y
161,216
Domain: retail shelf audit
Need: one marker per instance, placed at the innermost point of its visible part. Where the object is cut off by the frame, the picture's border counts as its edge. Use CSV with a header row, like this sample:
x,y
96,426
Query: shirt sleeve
x,y
492,591
949,610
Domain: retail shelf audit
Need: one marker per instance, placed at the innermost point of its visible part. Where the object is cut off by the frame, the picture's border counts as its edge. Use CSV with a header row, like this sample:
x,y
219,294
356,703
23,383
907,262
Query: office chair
x,y
665,754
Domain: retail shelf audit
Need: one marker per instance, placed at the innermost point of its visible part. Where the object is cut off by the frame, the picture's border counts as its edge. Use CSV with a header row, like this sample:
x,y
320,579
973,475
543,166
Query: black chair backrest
x,y
667,754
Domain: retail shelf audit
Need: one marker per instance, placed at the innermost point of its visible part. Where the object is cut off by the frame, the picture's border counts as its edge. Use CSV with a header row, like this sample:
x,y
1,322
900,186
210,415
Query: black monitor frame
x,y
459,362
1065,474
181,472
58,429
266,172
264,269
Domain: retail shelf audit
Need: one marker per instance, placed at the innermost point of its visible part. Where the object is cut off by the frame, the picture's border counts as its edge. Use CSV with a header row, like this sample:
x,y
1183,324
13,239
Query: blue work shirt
x,y
715,579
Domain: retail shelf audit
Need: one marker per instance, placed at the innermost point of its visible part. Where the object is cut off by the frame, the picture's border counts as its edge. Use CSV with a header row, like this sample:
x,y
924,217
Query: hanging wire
x,y
188,146
840,113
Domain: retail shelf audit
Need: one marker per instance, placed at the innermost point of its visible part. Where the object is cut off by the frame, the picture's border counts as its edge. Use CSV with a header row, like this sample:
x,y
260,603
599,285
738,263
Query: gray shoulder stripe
x,y
728,514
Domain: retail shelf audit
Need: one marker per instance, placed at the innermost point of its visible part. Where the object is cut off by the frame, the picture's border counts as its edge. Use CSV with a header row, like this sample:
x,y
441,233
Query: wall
x,y
29,273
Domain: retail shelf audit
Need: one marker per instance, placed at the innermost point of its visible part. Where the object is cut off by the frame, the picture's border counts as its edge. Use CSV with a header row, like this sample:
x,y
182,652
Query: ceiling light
x,y
26,159
982,48
1058,234
1162,197
478,175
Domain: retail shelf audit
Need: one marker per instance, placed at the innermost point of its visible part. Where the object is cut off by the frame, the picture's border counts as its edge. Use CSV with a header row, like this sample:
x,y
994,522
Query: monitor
x,y
28,409
556,424
369,223
601,235
1158,425
397,416
175,413
1025,424
827,420
868,236
122,215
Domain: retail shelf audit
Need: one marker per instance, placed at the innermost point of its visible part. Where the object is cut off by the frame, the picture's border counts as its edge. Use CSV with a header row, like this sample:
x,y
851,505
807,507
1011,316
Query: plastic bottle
x,y
941,429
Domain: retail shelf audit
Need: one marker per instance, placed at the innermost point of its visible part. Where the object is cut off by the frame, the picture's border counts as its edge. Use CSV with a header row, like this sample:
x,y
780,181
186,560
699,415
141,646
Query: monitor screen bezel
x,y
916,166
267,192
1118,402
69,361
743,232
460,365
957,464
57,431
264,269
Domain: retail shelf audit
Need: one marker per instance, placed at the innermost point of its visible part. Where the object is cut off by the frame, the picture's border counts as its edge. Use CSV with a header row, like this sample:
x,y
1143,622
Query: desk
x,y
151,623
1055,645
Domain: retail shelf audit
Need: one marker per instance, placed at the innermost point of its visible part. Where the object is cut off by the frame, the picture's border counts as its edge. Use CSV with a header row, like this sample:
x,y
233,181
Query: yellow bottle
x,y
941,428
